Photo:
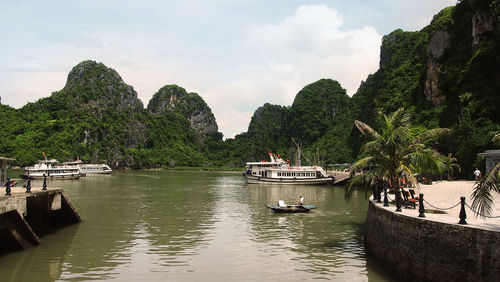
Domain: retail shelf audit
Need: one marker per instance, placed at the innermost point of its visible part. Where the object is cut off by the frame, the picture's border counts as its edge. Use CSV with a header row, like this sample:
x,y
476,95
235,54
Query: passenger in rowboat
x,y
301,201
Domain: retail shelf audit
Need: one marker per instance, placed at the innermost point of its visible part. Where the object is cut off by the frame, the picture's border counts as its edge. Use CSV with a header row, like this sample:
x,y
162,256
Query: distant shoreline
x,y
187,168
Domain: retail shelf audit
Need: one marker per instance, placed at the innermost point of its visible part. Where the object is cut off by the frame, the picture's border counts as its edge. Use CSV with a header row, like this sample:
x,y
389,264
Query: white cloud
x,y
286,56
313,45
290,54
17,93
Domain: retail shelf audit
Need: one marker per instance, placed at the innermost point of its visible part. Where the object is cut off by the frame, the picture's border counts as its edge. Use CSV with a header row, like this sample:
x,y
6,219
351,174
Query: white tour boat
x,y
50,169
277,171
90,168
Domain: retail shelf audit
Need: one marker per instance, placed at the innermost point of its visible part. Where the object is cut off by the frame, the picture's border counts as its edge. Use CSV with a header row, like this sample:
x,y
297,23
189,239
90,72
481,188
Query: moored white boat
x,y
50,169
90,168
277,171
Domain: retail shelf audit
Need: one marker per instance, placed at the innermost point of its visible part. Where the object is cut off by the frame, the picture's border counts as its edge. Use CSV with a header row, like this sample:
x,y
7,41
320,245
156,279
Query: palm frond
x,y
431,133
496,138
425,161
408,174
366,129
355,181
482,198
372,146
398,116
450,164
361,164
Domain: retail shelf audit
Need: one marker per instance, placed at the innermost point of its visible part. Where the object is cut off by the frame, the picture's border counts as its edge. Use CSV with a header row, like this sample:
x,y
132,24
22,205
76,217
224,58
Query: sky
x,y
236,54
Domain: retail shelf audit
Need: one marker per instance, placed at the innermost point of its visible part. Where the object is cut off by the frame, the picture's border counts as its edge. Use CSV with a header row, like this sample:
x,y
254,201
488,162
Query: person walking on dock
x,y
477,175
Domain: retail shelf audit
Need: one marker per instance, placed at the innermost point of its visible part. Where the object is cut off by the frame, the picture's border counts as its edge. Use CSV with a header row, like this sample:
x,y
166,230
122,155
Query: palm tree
x,y
450,166
482,198
395,151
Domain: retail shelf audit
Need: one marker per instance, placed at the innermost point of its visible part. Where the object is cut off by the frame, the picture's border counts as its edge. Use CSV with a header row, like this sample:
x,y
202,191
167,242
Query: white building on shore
x,y
492,157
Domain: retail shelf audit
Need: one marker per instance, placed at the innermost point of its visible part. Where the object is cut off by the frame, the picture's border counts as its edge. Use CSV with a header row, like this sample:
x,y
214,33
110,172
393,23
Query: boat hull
x,y
63,176
288,208
97,171
251,179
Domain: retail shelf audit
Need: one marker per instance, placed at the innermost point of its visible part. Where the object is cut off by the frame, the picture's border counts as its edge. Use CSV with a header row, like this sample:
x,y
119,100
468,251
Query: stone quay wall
x,y
24,217
414,248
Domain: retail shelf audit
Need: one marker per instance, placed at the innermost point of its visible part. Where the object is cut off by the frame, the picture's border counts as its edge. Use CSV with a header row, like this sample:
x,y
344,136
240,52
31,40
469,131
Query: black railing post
x,y
421,209
374,191
7,187
463,216
398,200
44,186
378,187
386,200
28,186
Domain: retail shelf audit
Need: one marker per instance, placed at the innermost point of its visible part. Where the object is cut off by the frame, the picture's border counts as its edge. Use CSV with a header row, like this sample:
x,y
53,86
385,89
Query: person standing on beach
x,y
477,175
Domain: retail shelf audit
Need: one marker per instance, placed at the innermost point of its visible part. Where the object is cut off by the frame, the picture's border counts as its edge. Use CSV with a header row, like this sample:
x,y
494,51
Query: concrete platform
x,y
24,217
445,194
340,176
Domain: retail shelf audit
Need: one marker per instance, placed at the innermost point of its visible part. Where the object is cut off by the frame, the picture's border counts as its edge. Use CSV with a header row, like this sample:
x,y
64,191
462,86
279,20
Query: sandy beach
x,y
445,194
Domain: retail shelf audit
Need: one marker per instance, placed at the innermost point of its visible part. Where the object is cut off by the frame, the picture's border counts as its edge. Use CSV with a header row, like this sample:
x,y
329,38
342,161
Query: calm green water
x,y
198,226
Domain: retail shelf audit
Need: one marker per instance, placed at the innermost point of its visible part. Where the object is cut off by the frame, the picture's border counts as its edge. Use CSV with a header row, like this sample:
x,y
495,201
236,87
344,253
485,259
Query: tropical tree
x,y
395,151
482,198
450,165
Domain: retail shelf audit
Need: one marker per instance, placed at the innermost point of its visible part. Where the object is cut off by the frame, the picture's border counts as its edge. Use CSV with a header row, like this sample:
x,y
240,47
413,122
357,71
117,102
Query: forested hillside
x,y
319,120
447,75
98,118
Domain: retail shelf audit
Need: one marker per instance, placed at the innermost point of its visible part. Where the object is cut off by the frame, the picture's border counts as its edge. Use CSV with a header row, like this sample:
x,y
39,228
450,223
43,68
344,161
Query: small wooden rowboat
x,y
290,208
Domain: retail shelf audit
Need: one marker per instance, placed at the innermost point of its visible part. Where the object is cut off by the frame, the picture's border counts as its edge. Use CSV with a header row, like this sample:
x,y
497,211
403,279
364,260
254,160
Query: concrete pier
x,y
24,217
341,177
435,248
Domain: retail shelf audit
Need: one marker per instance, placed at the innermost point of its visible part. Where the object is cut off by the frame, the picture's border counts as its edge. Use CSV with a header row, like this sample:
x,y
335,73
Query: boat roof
x,y
490,153
264,163
73,162
6,159
48,161
302,167
288,167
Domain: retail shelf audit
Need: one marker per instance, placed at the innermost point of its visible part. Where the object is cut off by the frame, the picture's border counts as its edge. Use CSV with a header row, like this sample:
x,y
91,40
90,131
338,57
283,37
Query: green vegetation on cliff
x,y
447,74
319,119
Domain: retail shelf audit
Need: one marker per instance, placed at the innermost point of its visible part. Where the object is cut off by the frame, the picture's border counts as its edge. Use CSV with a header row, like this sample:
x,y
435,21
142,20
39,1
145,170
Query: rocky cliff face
x,y
173,98
104,108
389,43
477,25
94,87
483,20
482,27
439,41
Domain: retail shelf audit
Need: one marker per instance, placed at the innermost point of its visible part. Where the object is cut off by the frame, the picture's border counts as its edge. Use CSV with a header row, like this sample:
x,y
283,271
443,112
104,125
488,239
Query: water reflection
x,y
197,226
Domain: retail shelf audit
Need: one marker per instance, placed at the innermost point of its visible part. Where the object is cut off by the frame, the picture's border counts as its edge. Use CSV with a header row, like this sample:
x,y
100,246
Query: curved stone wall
x,y
419,249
